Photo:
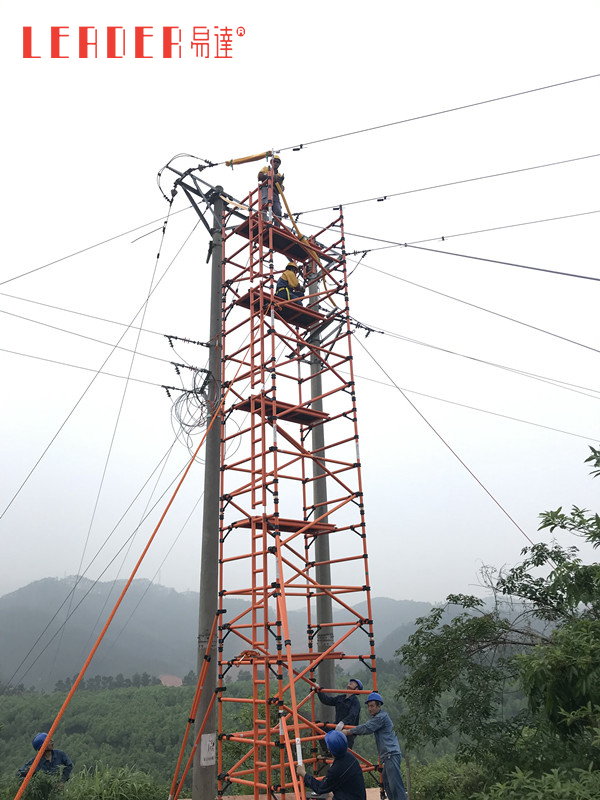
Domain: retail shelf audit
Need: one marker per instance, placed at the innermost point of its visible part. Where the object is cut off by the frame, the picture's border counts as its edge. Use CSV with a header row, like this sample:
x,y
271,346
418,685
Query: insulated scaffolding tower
x,y
293,578
294,594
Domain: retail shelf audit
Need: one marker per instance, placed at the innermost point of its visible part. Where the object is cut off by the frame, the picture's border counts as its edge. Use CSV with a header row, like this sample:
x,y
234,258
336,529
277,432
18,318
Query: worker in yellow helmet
x,y
264,175
288,285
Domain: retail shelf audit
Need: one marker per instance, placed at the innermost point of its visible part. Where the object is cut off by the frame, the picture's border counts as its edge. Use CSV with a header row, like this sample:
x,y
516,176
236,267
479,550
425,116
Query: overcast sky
x,y
83,141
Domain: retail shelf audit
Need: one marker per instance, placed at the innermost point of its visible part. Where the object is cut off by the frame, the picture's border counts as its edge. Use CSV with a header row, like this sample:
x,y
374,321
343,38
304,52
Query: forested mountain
x,y
154,630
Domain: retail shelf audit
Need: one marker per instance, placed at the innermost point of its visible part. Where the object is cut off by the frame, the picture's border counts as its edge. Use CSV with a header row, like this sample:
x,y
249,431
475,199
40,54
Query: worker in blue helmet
x,y
347,705
55,762
388,749
344,777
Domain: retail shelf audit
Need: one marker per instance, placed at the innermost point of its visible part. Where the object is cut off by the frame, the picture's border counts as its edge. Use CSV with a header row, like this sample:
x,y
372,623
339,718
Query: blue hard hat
x,y
38,740
336,743
360,686
375,696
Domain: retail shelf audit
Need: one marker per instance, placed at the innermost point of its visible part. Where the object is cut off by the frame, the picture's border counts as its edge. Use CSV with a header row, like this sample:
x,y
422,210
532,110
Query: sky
x,y
497,363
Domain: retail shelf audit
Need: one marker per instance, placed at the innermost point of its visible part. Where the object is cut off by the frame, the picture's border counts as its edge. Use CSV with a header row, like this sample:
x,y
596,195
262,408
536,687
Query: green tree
x,y
191,679
517,679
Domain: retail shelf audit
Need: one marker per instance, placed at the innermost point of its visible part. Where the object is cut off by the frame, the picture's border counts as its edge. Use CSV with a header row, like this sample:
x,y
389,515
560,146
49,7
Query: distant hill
x,y
154,630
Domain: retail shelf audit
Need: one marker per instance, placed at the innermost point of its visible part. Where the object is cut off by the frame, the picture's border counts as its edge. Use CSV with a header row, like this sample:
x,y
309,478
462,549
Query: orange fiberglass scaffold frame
x,y
290,475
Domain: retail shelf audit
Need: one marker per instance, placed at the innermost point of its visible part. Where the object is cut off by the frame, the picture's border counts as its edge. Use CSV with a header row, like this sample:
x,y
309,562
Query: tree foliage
x,y
515,679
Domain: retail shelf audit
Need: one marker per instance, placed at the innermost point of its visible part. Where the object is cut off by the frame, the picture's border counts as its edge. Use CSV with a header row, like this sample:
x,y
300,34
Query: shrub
x,y
109,783
577,785
445,779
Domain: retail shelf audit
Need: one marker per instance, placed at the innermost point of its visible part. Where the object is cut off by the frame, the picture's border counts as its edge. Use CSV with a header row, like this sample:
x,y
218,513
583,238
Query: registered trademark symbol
x,y
241,31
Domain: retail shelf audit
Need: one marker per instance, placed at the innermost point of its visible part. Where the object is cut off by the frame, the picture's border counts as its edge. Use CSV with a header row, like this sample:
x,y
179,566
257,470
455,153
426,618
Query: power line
x,y
88,338
90,247
445,443
389,244
436,113
479,410
94,582
90,384
481,308
380,198
586,391
83,314
505,263
78,366
504,227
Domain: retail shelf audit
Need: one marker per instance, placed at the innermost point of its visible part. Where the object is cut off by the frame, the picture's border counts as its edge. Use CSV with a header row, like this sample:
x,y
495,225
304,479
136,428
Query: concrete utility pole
x,y
323,570
204,784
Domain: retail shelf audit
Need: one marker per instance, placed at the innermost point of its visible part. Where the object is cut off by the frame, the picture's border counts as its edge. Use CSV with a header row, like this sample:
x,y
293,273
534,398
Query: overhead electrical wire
x,y
79,578
77,366
445,443
377,198
138,564
577,389
94,339
145,512
479,410
98,372
160,566
382,197
482,308
444,237
505,263
436,113
122,401
90,247
183,472
83,314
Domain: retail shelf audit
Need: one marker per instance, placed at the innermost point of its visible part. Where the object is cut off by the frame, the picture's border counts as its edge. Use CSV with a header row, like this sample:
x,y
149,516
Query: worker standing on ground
x,y
263,179
344,777
288,285
347,705
55,762
388,748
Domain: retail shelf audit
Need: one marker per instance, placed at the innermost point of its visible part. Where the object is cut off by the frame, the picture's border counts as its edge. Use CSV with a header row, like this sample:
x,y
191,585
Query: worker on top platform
x,y
263,179
288,285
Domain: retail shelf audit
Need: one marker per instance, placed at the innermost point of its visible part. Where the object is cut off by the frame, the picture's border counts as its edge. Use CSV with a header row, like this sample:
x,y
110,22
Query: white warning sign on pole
x,y
208,749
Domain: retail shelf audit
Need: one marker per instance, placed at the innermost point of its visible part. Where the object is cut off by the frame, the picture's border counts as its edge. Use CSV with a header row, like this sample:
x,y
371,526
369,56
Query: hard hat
x,y
374,696
359,683
292,265
38,740
336,743
276,158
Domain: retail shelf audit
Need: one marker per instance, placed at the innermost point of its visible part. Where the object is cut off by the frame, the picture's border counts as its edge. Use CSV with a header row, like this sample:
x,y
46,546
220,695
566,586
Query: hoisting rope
x,y
88,660
304,242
